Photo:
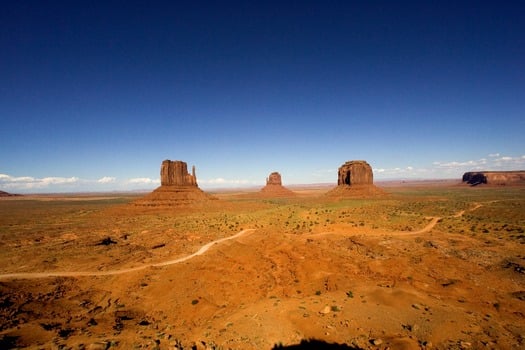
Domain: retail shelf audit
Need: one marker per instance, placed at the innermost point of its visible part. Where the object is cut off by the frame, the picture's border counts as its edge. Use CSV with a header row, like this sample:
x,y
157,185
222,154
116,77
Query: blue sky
x,y
94,95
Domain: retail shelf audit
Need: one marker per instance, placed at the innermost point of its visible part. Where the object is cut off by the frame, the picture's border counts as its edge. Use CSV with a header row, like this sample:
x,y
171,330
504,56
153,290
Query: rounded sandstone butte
x,y
175,173
355,172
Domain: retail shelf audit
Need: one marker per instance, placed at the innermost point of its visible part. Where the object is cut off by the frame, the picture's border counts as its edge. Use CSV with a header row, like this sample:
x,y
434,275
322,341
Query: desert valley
x,y
406,265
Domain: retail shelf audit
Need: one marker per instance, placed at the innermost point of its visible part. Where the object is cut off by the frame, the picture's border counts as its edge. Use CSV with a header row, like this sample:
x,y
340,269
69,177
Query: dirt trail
x,y
433,222
202,250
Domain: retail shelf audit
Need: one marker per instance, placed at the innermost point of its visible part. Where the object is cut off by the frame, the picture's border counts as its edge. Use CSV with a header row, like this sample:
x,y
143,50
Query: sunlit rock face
x,y
274,179
355,172
175,173
494,177
355,180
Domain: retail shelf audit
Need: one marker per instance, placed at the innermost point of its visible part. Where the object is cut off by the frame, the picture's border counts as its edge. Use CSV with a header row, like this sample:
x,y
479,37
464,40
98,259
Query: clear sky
x,y
94,95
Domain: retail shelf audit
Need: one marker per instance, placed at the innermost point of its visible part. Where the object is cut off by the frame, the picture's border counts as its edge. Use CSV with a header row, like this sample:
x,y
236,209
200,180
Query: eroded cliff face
x,y
274,179
175,173
355,172
495,177
355,179
178,188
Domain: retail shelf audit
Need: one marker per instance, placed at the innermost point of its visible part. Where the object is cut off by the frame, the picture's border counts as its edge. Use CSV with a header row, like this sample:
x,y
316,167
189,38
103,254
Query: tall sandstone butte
x,y
177,187
274,179
355,172
175,173
275,188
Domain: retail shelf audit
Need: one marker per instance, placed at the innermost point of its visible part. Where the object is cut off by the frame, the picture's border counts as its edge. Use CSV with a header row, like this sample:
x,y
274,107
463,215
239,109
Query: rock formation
x,y
355,179
355,172
274,187
501,178
177,187
6,194
274,179
175,173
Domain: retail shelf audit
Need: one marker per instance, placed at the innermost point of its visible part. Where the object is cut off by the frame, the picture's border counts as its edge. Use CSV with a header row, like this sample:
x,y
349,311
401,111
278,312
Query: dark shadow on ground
x,y
312,344
8,342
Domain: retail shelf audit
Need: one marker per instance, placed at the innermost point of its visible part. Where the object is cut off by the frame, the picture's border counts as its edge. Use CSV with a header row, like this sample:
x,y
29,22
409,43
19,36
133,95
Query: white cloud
x,y
409,171
106,180
222,181
143,180
28,182
495,162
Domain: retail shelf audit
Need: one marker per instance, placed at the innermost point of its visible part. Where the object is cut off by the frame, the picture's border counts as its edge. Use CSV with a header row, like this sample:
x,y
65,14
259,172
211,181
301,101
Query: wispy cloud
x,y
222,181
495,161
408,171
106,180
143,181
455,168
28,182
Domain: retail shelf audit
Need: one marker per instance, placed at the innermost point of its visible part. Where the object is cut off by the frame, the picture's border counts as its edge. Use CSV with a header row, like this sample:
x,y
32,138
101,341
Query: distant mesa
x,y
275,188
177,187
500,178
6,194
355,179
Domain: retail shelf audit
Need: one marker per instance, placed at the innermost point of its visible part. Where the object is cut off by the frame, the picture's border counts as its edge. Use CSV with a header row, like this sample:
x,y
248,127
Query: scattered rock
x,y
325,310
465,345
376,342
102,345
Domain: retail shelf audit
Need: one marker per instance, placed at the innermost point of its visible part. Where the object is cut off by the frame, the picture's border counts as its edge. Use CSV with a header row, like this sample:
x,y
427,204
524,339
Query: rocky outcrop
x,y
355,179
6,194
501,178
178,187
355,172
175,173
274,187
274,179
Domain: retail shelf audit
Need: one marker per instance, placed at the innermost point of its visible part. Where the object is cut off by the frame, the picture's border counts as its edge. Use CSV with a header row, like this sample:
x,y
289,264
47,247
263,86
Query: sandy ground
x,y
396,272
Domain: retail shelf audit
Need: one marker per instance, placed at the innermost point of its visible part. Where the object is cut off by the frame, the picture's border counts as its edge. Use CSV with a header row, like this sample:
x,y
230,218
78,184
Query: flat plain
x,y
426,265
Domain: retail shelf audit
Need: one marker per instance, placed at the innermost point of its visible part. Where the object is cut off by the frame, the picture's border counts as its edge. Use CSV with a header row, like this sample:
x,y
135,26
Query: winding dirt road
x,y
202,250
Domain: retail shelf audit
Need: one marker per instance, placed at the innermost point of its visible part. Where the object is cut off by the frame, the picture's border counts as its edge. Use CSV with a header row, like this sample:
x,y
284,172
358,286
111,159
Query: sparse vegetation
x,y
307,259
